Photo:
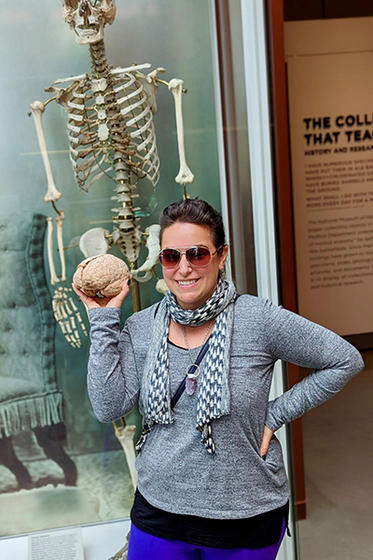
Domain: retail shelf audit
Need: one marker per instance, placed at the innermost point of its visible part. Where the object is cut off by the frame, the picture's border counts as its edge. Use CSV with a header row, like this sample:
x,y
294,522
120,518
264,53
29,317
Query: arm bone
x,y
60,218
185,175
37,109
52,269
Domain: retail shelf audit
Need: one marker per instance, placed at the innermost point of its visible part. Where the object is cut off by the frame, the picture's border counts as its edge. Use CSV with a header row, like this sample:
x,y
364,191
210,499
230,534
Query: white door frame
x,y
258,116
260,155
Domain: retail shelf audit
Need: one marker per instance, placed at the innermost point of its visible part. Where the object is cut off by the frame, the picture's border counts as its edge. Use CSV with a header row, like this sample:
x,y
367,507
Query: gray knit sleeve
x,y
113,383
294,339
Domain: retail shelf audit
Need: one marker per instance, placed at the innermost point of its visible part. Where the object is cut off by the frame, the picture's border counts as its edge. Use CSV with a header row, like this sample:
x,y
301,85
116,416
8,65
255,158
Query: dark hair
x,y
194,211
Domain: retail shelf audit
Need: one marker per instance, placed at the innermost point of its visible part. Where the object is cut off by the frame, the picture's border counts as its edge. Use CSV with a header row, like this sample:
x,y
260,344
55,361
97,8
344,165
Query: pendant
x,y
190,385
191,378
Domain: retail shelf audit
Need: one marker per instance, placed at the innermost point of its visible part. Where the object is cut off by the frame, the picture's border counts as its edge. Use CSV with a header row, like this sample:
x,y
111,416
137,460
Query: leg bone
x,y
125,435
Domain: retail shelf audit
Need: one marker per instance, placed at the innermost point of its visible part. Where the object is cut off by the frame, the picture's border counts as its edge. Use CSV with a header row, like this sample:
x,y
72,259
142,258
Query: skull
x,y
88,18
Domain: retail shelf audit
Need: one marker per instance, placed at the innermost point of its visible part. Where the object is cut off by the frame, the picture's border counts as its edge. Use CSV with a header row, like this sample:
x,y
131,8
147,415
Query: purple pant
x,y
143,546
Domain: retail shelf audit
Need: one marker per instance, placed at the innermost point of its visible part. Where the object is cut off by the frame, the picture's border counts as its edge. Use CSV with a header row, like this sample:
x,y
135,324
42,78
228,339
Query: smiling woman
x,y
211,476
195,275
192,282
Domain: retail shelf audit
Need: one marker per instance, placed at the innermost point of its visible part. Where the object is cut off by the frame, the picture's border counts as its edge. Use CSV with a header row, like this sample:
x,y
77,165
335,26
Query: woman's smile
x,y
187,283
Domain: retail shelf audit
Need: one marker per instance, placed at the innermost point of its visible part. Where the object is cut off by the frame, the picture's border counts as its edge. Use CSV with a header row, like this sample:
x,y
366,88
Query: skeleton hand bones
x,y
67,316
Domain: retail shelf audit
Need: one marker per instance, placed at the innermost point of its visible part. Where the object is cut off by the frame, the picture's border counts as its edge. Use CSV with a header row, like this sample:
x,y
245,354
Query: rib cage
x,y
107,117
111,131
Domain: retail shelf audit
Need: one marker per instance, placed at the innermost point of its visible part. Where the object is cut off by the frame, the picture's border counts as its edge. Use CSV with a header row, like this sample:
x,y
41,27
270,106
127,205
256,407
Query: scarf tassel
x,y
206,437
143,437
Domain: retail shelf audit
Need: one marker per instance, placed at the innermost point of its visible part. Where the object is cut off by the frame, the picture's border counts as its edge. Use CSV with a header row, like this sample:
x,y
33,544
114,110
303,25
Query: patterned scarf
x,y
213,389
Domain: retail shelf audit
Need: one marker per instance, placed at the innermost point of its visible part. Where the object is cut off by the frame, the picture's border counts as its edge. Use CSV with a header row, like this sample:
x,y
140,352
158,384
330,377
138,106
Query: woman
x,y
211,478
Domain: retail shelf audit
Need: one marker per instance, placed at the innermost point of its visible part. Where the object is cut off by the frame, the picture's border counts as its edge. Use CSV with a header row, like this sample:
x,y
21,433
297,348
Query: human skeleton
x,y
111,133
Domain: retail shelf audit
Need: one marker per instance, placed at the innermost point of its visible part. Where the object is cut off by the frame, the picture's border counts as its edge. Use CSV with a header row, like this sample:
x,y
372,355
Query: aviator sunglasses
x,y
198,256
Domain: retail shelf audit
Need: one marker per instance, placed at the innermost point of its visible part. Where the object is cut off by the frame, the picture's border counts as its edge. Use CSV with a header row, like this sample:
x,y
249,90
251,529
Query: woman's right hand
x,y
94,302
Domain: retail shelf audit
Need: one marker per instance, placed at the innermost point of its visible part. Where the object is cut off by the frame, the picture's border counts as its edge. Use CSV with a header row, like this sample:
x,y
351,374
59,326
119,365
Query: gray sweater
x,y
175,472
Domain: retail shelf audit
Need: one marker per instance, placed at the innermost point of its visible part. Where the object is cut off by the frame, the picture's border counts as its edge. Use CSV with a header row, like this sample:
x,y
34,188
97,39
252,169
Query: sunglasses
x,y
198,256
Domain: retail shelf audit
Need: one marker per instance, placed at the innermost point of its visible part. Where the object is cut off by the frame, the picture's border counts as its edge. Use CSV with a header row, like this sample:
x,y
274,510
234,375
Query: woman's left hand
x,y
266,440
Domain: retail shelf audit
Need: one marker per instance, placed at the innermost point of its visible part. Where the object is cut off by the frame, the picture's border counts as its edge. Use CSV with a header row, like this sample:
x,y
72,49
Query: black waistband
x,y
253,532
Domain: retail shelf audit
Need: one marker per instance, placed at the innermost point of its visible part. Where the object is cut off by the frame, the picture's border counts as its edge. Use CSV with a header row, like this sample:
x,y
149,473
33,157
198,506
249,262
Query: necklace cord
x,y
205,337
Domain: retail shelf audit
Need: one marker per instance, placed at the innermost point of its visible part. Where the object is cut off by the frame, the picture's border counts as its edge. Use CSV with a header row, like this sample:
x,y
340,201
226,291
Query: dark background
x,y
321,9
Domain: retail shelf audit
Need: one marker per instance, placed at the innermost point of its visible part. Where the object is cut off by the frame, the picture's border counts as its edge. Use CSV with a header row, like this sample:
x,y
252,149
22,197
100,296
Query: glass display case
x,y
59,466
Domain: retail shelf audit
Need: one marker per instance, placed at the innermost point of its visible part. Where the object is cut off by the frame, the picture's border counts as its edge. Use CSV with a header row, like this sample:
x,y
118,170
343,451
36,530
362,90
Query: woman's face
x,y
192,285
